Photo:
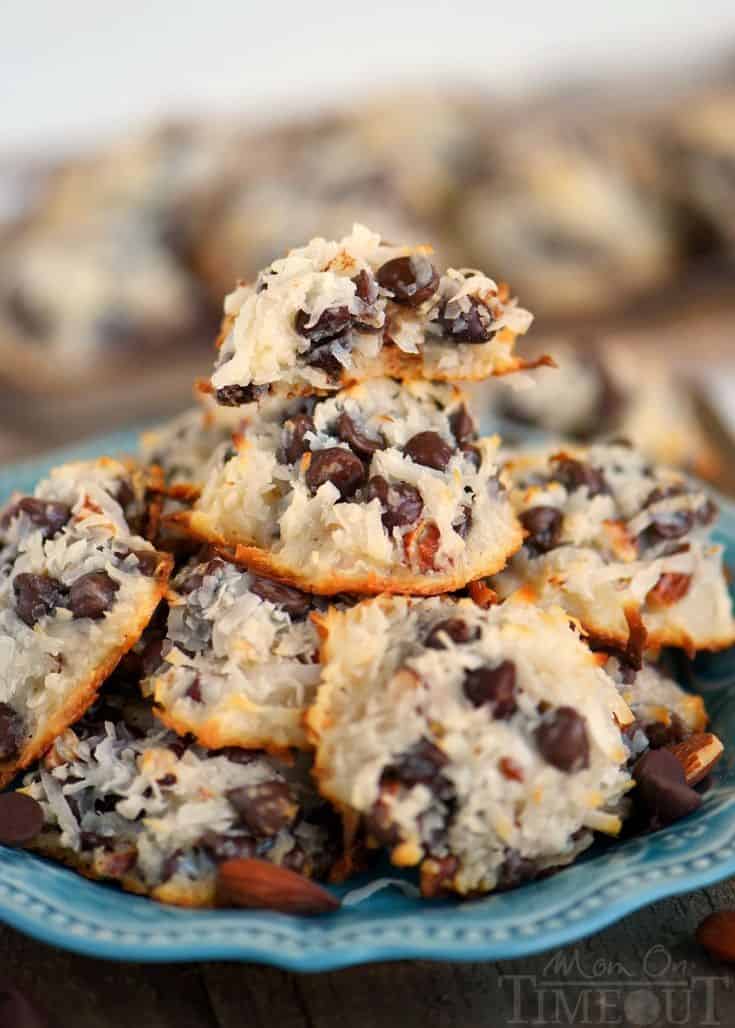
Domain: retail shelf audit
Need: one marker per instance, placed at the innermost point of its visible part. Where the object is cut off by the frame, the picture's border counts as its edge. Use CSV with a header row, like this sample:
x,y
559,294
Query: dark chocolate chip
x,y
293,601
466,326
575,474
331,324
323,358
666,525
148,561
515,870
12,731
402,504
457,630
363,445
380,825
337,465
45,514
662,790
660,734
151,657
365,287
238,755
494,687
410,280
418,765
463,523
36,596
294,445
92,595
167,781
21,818
429,449
237,396
463,426
562,740
543,525
265,808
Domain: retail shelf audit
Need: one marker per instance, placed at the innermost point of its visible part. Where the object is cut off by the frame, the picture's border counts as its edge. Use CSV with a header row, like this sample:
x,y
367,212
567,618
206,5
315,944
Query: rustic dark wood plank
x,y
628,957
86,993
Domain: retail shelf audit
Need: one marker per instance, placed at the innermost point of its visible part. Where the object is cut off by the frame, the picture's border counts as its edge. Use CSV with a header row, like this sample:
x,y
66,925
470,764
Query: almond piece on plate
x,y
697,754
717,934
262,885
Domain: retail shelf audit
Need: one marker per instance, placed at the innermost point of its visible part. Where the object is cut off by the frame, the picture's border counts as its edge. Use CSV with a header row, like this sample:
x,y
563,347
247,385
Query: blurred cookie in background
x,y
574,215
699,139
606,389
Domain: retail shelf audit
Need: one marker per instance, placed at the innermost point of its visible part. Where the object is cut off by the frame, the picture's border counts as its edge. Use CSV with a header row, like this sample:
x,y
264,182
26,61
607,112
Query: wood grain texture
x,y
637,955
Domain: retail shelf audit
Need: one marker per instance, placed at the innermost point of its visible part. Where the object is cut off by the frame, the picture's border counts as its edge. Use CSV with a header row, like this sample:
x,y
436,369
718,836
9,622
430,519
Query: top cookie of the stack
x,y
331,314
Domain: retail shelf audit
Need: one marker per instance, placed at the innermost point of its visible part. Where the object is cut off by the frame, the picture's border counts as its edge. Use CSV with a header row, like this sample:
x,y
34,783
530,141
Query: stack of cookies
x,y
379,631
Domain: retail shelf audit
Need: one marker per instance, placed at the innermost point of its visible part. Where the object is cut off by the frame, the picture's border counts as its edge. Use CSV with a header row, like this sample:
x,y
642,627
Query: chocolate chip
x,y
167,781
662,790
660,734
91,595
21,818
366,287
667,525
562,740
575,474
463,523
463,426
429,449
466,326
402,504
515,870
494,687
265,808
411,280
293,601
148,561
457,630
236,395
45,514
419,765
337,465
36,596
363,445
238,755
543,525
323,358
331,324
12,731
294,445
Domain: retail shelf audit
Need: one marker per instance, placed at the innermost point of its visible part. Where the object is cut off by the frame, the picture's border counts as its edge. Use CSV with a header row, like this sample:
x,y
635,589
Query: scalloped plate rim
x,y
34,905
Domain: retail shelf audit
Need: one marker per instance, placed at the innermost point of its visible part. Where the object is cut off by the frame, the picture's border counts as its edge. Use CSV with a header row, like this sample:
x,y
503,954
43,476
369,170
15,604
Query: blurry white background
x,y
71,71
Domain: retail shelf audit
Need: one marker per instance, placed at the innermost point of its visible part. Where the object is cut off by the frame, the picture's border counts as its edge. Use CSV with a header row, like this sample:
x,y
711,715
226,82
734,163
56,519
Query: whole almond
x,y
697,754
717,934
261,885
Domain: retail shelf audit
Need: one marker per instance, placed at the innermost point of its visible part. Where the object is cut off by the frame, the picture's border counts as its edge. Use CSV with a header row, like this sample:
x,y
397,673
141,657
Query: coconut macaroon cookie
x,y
333,313
127,800
484,745
665,712
239,660
381,487
77,588
622,545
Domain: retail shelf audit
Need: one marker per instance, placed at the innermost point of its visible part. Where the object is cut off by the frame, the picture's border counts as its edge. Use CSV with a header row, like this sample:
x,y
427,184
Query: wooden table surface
x,y
645,970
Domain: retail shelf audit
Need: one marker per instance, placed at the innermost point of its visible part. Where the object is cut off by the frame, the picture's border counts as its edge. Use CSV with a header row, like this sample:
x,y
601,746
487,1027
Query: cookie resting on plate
x,y
126,800
484,745
333,313
77,587
382,487
622,545
665,714
239,660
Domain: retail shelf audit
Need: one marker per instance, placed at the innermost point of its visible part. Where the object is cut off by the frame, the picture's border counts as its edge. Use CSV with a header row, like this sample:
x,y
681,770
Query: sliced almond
x,y
670,588
697,754
717,934
259,884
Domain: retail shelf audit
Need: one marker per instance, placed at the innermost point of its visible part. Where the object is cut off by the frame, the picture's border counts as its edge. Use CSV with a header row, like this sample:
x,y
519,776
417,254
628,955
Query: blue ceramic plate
x,y
59,907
